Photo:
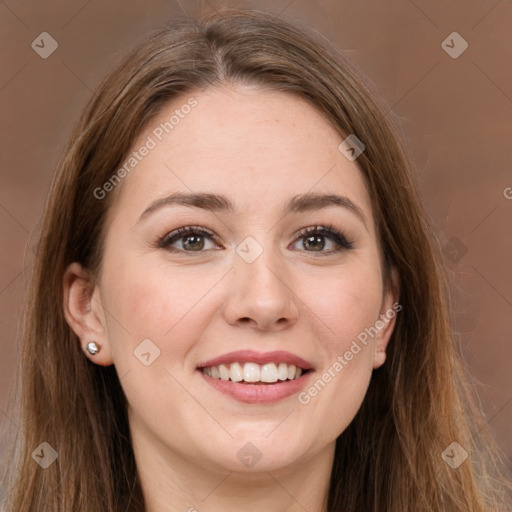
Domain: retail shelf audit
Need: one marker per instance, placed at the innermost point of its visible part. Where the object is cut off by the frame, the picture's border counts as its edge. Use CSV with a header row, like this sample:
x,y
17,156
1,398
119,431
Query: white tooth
x,y
291,371
268,373
224,372
235,372
298,373
282,371
215,372
251,372
207,371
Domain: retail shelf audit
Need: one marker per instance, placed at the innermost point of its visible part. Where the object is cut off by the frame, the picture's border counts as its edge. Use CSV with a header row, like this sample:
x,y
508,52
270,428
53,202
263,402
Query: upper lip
x,y
243,356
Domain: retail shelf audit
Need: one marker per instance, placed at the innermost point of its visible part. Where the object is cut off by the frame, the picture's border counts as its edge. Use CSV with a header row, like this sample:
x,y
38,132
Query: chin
x,y
256,456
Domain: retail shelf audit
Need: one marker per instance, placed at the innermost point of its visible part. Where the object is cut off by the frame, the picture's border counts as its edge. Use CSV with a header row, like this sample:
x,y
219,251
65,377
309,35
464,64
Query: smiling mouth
x,y
254,373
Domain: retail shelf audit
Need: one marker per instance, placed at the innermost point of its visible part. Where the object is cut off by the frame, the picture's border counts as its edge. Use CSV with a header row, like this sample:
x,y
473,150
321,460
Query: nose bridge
x,y
260,263
260,290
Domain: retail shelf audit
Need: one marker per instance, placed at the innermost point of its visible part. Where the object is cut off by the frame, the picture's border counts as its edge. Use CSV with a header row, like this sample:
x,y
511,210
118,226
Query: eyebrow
x,y
220,203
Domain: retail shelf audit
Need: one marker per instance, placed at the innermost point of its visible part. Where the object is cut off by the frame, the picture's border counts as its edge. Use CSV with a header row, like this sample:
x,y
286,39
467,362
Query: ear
x,y
84,312
387,318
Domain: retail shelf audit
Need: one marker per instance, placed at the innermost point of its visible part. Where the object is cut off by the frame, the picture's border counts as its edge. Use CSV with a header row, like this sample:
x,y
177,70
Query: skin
x,y
259,148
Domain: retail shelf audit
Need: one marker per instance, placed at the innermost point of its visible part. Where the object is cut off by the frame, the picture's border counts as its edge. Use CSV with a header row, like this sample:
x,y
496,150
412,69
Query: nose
x,y
261,295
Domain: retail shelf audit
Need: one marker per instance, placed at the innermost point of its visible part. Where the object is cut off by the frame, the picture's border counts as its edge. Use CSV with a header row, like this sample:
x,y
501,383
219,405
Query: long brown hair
x,y
418,403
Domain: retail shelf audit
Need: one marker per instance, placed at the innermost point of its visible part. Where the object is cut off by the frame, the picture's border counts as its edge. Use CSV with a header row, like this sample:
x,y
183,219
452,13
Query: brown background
x,y
455,113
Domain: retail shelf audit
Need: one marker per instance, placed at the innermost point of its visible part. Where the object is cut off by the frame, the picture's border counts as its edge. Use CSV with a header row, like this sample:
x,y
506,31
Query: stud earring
x,y
92,348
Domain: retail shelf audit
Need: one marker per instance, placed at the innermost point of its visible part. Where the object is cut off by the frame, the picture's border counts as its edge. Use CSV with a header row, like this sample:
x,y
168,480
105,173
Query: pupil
x,y
194,244
316,239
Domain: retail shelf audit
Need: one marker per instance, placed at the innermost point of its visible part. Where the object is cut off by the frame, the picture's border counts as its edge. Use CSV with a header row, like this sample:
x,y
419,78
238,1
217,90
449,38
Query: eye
x,y
314,238
192,239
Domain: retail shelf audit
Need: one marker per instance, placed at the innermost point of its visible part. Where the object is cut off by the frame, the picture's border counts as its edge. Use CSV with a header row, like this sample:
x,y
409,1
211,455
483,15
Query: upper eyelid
x,y
185,230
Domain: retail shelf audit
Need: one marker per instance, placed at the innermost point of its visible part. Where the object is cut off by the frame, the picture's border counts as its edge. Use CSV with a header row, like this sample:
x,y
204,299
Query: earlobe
x,y
83,313
389,311
379,358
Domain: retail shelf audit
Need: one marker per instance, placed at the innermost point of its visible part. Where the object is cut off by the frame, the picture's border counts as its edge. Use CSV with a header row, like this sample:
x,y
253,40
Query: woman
x,y
238,301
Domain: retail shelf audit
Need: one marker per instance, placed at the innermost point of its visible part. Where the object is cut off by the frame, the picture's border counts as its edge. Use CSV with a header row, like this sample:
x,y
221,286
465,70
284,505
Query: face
x,y
278,272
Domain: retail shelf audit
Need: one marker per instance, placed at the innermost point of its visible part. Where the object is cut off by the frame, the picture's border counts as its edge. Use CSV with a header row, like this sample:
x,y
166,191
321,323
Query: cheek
x,y
150,303
346,307
348,303
153,322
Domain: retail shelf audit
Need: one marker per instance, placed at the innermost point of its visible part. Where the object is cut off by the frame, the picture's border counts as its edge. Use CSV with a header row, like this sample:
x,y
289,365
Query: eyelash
x,y
328,230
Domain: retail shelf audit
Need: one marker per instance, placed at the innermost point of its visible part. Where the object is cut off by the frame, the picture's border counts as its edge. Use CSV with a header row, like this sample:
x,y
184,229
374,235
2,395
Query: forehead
x,y
258,147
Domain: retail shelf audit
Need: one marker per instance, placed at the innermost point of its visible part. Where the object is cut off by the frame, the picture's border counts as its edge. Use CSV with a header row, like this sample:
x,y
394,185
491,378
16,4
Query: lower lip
x,y
258,393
